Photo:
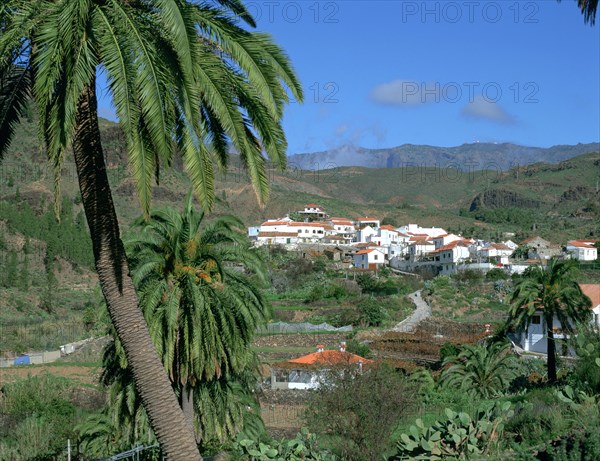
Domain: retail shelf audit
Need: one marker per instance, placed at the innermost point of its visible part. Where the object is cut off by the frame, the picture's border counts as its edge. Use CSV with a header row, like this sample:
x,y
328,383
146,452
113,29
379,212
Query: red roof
x,y
275,223
390,228
367,219
421,240
312,205
364,252
581,243
307,224
333,357
452,245
592,291
277,234
341,221
500,246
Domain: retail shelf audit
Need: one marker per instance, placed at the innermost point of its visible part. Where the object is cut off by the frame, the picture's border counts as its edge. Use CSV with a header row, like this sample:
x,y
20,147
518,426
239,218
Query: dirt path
x,y
422,311
78,373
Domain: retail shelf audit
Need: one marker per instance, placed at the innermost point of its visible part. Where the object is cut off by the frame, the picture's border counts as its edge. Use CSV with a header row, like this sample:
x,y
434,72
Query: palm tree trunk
x,y
165,416
551,364
187,403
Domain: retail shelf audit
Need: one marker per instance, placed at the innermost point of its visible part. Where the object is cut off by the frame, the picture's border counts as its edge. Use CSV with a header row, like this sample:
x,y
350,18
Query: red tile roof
x,y
275,223
592,291
364,252
389,228
307,224
277,234
581,243
328,357
367,219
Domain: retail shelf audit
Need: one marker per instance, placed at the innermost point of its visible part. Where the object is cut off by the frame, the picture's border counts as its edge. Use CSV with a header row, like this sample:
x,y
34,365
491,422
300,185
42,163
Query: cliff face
x,y
499,198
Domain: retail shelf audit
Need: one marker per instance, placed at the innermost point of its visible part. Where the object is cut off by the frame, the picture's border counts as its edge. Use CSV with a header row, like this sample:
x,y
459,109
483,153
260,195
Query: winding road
x,y
422,311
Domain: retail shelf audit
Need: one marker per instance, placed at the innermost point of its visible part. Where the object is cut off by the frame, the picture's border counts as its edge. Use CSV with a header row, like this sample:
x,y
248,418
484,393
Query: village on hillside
x,y
366,244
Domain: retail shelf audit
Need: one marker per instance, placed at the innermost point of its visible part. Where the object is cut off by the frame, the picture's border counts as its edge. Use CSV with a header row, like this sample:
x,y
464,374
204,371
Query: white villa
x,y
582,250
312,209
308,372
361,222
534,338
445,239
369,258
452,254
415,229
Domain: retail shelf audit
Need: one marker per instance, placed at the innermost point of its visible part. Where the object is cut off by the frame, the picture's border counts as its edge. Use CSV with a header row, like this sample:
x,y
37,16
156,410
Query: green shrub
x,y
456,435
358,348
496,274
303,447
355,413
371,312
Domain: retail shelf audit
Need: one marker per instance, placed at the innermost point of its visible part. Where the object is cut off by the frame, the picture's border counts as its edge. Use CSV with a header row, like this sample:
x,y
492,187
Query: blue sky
x,y
385,73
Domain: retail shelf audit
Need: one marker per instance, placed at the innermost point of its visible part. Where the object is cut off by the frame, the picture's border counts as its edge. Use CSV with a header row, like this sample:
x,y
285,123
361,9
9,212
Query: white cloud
x,y
485,109
407,93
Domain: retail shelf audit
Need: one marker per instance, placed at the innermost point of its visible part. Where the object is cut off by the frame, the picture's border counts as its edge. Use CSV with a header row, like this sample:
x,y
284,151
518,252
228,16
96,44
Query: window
x,y
536,320
375,257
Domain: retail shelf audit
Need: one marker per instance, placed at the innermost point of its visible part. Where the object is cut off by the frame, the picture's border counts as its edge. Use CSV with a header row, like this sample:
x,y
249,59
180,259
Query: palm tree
x,y
554,292
224,407
483,370
588,9
182,75
197,295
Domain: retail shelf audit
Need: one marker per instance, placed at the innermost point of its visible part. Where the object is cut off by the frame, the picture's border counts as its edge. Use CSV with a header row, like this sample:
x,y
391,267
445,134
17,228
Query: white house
x,y
276,238
534,338
386,235
362,222
276,225
445,239
418,247
397,250
310,232
364,234
452,254
309,371
496,250
370,258
415,229
314,210
583,250
343,227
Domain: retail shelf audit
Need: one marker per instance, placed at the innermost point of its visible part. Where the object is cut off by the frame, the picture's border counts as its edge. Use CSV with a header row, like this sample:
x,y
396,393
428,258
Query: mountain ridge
x,y
466,157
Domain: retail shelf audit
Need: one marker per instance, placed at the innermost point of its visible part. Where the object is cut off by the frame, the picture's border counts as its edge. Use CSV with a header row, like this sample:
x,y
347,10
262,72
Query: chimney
x,y
320,347
343,346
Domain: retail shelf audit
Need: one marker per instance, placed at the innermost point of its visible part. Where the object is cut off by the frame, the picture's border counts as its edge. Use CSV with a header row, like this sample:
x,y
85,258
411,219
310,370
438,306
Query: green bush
x,y
586,374
303,447
371,312
358,348
456,435
355,413
496,274
42,417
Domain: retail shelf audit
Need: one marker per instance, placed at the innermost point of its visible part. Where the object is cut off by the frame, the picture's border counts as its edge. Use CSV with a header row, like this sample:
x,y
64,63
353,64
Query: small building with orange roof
x,y
309,371
582,250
